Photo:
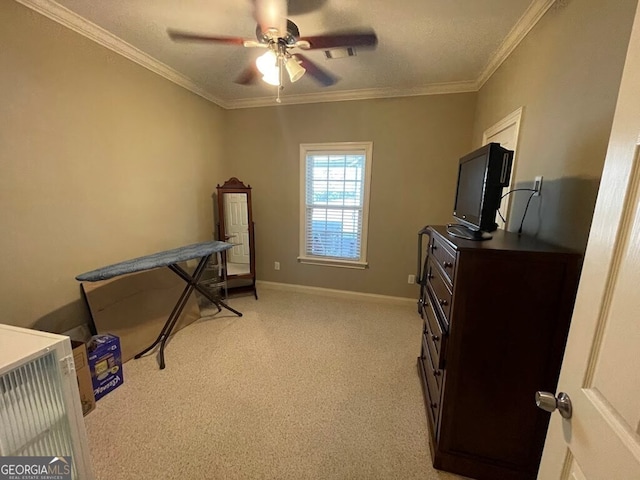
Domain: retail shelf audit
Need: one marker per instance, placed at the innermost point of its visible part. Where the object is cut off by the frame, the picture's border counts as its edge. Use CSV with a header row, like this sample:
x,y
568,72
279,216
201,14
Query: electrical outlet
x,y
537,186
411,280
276,265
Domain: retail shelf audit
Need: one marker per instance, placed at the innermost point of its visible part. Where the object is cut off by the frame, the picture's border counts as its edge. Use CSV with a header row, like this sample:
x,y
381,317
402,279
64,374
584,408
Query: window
x,y
334,203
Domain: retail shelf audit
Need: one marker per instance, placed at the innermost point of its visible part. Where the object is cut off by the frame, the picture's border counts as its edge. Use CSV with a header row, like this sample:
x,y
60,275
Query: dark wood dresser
x,y
496,318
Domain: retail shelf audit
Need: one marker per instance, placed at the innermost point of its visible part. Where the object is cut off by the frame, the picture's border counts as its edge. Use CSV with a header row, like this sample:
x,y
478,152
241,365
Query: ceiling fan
x,y
279,36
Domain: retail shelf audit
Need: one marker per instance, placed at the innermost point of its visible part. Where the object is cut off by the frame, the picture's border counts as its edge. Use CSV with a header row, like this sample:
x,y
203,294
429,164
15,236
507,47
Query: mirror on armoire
x,y
235,225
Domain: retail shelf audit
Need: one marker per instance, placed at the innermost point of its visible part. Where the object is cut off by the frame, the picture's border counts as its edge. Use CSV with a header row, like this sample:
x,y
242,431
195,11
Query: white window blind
x,y
334,203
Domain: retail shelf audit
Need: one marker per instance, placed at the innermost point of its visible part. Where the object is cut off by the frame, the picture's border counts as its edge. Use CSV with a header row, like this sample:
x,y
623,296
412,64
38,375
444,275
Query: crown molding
x,y
531,16
365,94
75,22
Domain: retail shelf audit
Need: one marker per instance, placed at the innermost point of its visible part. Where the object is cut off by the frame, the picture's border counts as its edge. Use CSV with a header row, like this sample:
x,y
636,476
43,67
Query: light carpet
x,y
303,386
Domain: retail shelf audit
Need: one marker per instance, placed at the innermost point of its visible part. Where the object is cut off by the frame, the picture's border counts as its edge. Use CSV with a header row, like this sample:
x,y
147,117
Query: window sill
x,y
332,262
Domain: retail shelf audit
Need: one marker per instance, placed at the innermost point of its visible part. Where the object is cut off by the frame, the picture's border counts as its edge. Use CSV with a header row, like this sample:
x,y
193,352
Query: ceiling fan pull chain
x,y
280,86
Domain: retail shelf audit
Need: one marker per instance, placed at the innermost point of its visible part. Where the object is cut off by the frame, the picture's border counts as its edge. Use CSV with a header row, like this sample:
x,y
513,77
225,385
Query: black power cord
x,y
526,208
525,211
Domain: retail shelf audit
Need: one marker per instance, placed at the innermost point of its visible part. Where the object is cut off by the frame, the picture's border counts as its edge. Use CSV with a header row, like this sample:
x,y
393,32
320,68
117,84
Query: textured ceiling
x,y
422,44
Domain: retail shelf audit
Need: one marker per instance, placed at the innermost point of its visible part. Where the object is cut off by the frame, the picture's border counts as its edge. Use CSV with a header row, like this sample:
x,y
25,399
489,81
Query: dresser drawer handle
x,y
435,338
433,247
443,303
430,276
434,405
447,264
436,373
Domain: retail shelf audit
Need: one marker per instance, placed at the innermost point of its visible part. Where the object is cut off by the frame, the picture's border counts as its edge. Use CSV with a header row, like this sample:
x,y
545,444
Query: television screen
x,y
470,188
481,176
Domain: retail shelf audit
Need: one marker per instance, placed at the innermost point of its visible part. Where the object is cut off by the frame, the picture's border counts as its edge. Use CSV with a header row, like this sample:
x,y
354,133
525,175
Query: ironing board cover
x,y
155,260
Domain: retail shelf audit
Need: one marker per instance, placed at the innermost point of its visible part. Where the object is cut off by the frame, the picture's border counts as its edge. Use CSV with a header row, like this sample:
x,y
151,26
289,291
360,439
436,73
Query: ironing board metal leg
x,y
216,301
224,305
192,281
167,324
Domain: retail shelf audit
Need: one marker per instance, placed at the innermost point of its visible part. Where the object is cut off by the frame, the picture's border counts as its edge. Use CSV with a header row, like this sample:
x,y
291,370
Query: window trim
x,y
328,148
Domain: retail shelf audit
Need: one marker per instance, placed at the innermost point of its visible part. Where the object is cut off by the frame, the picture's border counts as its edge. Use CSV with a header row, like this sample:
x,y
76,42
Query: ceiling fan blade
x,y
271,14
193,37
321,75
346,39
249,75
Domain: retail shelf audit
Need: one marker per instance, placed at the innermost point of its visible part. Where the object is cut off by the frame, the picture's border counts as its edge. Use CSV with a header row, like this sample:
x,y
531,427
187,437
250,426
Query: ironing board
x,y
170,259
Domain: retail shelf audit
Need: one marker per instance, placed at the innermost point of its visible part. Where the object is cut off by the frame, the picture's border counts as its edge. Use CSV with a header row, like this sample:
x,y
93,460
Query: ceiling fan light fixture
x,y
294,69
272,77
267,63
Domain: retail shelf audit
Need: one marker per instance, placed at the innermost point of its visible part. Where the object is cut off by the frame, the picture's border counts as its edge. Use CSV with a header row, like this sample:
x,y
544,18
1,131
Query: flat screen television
x,y
482,175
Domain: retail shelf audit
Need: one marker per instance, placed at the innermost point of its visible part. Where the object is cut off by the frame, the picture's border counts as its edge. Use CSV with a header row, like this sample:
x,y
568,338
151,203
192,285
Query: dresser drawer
x,y
432,382
436,335
422,301
431,393
443,256
430,365
439,290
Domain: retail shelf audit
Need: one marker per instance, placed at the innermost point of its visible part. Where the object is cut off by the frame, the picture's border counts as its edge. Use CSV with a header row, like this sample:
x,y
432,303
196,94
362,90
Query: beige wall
x,y
100,160
566,75
416,144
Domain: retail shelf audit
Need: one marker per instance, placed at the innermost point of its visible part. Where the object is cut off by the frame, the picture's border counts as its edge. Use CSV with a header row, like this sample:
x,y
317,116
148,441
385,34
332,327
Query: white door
x,y
601,369
505,132
236,226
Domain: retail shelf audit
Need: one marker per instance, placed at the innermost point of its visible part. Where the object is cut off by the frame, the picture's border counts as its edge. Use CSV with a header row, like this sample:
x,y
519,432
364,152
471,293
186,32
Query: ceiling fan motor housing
x,y
292,35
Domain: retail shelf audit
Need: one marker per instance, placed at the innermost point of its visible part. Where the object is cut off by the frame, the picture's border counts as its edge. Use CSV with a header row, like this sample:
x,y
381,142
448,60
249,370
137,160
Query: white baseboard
x,y
330,292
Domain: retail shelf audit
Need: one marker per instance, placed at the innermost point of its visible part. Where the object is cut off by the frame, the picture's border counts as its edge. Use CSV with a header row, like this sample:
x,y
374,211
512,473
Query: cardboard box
x,y
105,363
136,306
83,375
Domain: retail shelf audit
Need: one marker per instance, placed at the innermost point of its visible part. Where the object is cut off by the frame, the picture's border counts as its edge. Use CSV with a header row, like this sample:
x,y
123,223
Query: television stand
x,y
460,231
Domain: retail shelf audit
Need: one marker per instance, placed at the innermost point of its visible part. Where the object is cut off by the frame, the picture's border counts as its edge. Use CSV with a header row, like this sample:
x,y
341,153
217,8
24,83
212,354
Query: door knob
x,y
546,401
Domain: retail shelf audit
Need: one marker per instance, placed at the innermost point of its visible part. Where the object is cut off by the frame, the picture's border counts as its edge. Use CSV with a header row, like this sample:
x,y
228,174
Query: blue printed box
x,y
105,362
